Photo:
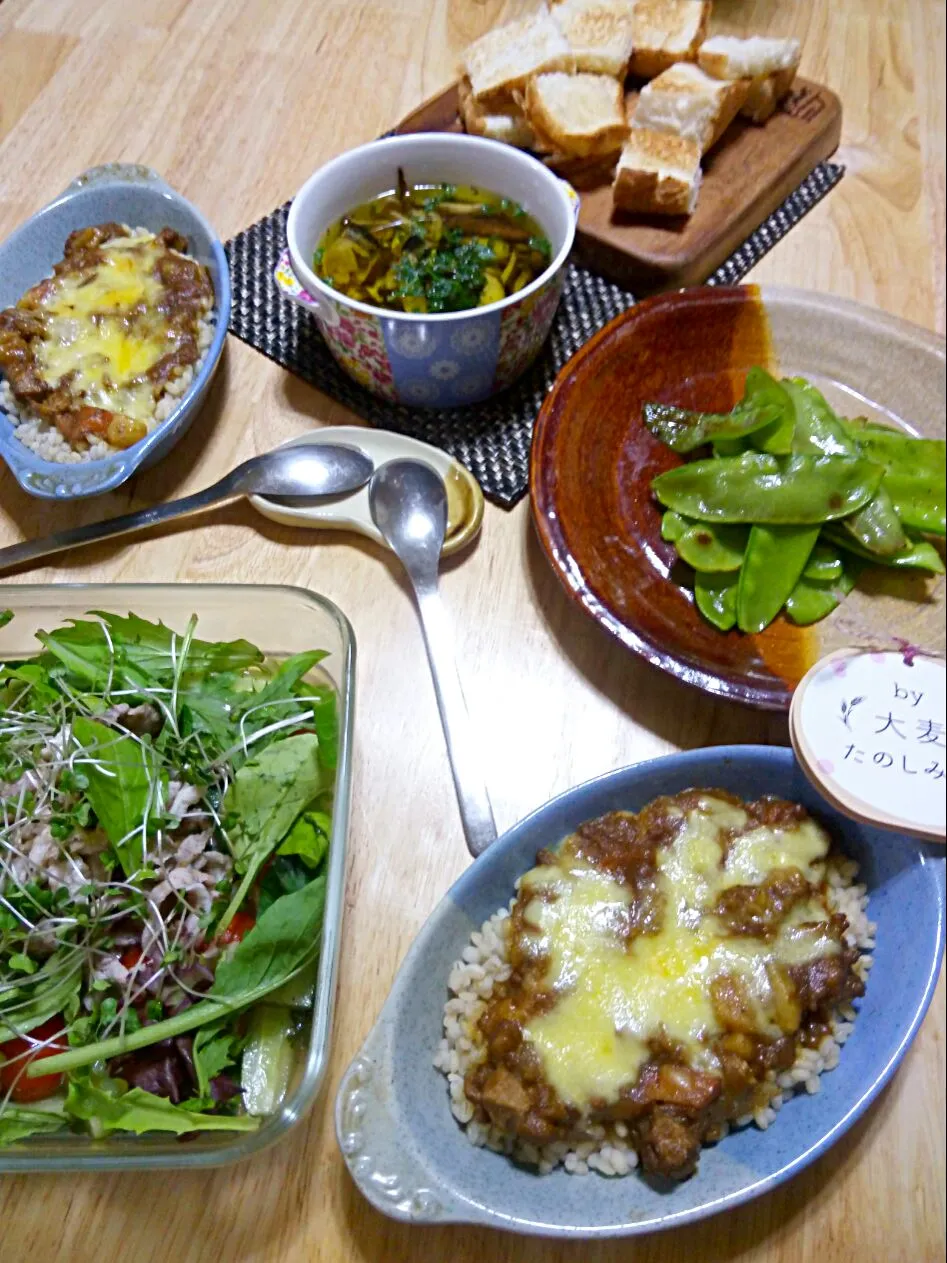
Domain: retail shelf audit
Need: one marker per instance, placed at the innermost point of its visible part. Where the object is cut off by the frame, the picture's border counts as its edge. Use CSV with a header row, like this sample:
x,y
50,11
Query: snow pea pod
x,y
920,501
683,430
919,554
775,559
824,564
819,430
716,597
707,546
673,526
809,602
915,473
797,490
898,451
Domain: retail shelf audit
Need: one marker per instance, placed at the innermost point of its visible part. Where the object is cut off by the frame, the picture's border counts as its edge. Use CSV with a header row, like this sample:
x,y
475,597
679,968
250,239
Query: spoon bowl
x,y
308,471
408,503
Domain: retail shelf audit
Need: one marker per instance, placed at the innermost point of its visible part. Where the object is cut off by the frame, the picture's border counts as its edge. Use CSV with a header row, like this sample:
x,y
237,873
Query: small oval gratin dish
x,y
412,1161
137,196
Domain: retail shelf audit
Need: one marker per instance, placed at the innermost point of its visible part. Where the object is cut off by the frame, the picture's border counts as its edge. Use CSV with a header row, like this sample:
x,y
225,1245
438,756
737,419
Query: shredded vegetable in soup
x,y
432,248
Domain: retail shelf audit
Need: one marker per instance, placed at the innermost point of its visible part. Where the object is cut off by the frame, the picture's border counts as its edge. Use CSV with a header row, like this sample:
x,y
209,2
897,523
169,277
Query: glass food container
x,y
281,621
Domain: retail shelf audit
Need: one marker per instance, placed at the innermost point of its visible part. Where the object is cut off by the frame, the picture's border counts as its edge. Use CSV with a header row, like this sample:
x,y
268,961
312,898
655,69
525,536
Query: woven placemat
x,y
492,439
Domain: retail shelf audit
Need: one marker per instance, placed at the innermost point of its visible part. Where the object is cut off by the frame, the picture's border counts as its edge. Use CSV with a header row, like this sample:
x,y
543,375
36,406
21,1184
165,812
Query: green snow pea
x,y
775,559
809,601
797,490
920,554
920,501
898,451
915,473
673,526
820,430
707,546
683,430
824,564
716,597
766,392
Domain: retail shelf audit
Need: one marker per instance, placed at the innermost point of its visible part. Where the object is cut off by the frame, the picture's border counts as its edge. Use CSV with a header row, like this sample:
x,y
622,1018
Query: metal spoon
x,y
408,504
314,469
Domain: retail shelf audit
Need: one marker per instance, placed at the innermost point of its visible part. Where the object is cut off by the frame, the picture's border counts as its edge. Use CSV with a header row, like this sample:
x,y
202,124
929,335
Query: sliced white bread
x,y
583,173
766,93
504,122
599,32
726,57
503,60
578,114
769,64
665,32
657,174
686,101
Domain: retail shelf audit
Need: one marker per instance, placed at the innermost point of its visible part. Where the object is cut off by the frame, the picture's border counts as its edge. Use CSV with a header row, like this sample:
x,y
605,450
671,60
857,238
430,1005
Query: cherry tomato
x,y
13,1073
131,956
240,926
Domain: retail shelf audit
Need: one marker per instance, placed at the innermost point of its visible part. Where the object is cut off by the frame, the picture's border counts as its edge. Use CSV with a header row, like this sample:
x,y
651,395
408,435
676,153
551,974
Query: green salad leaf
x,y
93,650
213,1052
139,1111
17,1122
308,838
122,784
263,801
52,989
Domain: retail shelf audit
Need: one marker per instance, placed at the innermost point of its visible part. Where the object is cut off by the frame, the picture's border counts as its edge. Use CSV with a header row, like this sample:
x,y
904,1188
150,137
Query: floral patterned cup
x,y
447,359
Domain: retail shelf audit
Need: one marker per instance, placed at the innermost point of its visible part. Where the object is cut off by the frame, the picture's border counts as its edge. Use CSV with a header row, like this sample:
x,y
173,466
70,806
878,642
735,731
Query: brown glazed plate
x,y
593,461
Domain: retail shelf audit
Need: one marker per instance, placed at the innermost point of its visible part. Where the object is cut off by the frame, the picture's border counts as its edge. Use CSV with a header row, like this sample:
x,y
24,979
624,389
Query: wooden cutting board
x,y
746,176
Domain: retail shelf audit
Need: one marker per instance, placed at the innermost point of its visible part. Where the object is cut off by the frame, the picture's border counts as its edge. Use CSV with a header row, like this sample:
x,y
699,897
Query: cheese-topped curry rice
x,y
95,356
658,976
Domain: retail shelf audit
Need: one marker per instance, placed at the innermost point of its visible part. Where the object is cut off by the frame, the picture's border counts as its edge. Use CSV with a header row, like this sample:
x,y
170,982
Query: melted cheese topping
x,y
104,330
615,996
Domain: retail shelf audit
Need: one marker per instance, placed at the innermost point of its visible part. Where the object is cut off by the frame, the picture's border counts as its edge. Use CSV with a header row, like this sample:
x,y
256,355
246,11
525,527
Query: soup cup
x,y
431,360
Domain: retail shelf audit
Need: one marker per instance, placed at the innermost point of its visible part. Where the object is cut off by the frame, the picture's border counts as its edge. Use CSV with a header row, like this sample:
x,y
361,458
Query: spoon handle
x,y
33,549
476,813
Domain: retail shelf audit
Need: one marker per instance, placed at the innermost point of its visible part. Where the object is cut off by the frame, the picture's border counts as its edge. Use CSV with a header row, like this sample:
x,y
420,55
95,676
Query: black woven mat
x,y
492,439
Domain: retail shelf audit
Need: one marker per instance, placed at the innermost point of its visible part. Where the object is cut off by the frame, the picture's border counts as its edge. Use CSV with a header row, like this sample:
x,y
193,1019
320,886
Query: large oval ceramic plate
x,y
593,462
412,1161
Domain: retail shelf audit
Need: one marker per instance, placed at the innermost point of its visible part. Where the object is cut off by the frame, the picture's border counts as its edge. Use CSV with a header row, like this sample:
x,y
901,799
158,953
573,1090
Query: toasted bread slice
x,y
590,172
658,174
688,102
580,114
726,57
766,93
599,33
505,123
504,59
665,32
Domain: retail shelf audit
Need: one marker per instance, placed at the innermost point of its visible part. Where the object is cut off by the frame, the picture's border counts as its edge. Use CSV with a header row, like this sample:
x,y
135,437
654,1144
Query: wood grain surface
x,y
236,102
750,172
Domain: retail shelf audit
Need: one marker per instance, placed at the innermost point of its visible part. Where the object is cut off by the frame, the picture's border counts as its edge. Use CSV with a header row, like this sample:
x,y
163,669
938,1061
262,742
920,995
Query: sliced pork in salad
x,y
166,811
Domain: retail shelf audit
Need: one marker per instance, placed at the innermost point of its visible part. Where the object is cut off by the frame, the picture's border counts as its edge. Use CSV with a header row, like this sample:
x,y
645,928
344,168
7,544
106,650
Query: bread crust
x,y
765,93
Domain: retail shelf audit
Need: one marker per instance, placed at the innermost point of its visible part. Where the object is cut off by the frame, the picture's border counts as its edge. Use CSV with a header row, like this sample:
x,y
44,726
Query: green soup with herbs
x,y
432,248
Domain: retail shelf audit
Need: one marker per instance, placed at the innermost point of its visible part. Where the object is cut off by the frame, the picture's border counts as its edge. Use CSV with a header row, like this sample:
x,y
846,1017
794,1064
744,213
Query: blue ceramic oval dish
x,y
139,197
412,1161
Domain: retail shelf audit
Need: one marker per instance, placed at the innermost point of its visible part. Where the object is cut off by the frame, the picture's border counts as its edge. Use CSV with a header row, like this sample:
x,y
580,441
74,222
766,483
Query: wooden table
x,y
236,102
